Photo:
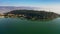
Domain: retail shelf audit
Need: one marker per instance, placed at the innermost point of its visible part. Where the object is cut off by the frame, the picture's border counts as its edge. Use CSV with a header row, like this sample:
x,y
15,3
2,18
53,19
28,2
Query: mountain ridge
x,y
4,9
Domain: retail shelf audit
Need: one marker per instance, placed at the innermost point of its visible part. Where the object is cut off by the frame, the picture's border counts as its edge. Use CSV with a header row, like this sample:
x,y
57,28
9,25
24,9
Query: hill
x,y
32,14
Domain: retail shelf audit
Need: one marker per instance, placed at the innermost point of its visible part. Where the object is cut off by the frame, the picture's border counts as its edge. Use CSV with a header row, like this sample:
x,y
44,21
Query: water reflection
x,y
18,25
26,18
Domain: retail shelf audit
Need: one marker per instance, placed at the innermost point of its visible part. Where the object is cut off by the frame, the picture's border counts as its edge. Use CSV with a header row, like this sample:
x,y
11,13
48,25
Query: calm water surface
x,y
25,26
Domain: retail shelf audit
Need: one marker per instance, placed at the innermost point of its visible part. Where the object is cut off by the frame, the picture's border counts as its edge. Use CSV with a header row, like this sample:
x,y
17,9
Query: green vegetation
x,y
32,14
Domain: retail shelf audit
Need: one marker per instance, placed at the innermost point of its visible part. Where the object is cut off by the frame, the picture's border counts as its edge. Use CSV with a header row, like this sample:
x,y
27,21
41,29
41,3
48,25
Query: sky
x,y
52,5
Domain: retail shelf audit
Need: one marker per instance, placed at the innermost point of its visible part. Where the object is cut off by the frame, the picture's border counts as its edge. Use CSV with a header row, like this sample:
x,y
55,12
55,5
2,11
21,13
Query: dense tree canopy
x,y
33,13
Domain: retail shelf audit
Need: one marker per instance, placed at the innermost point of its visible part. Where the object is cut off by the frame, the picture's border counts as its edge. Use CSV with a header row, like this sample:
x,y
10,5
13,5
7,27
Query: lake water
x,y
26,26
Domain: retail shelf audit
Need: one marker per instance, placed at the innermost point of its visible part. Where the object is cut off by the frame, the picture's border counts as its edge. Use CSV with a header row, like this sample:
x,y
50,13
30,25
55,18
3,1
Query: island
x,y
32,14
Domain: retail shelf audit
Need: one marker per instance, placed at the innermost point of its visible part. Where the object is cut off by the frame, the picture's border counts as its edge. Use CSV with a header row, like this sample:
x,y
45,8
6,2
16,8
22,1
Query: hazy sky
x,y
52,5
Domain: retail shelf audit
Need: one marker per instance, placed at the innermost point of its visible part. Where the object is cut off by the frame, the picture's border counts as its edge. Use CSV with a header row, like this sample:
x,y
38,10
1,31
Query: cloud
x,y
52,8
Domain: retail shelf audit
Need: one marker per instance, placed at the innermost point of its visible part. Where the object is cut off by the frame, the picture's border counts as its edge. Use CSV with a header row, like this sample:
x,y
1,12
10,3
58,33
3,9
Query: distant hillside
x,y
4,9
